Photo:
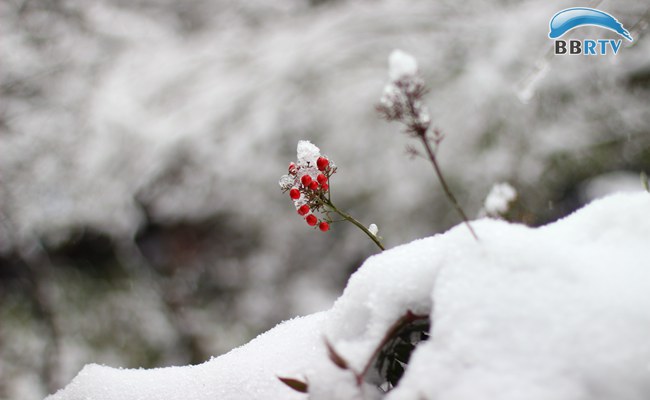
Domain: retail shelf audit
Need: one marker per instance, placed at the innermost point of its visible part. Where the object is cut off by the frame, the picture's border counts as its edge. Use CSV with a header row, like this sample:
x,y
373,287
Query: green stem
x,y
359,225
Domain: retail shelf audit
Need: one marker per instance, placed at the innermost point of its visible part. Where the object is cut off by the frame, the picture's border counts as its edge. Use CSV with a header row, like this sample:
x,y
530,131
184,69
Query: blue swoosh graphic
x,y
572,18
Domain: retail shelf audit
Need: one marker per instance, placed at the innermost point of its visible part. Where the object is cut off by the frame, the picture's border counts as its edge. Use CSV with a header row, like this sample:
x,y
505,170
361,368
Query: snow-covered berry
x,y
308,184
322,163
306,180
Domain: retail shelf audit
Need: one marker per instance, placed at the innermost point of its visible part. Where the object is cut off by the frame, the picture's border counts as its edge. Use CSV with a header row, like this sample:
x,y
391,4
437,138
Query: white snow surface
x,y
558,312
248,372
401,65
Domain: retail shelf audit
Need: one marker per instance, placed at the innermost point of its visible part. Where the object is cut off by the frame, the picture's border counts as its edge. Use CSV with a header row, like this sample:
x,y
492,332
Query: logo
x,y
572,18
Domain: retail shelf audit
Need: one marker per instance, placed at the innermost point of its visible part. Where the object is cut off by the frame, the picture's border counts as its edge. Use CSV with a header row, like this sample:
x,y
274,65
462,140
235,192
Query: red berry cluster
x,y
308,187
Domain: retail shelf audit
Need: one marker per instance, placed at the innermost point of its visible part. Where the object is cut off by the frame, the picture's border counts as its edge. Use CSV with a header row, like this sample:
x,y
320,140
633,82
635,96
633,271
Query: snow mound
x,y
554,313
248,372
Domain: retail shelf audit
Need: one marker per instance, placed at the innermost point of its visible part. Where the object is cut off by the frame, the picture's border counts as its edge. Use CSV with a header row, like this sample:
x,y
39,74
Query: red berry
x,y
324,226
313,185
292,168
304,209
321,179
311,220
325,186
294,193
306,180
322,163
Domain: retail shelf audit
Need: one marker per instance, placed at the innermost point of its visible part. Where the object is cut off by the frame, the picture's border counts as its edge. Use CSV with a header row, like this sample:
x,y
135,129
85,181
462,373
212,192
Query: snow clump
x,y
498,200
401,65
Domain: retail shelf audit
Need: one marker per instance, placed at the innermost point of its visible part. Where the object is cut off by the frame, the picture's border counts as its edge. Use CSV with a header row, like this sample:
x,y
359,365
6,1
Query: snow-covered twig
x,y
308,184
402,102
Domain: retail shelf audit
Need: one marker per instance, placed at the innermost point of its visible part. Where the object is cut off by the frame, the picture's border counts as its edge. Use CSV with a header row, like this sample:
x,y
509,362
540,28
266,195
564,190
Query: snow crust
x,y
558,312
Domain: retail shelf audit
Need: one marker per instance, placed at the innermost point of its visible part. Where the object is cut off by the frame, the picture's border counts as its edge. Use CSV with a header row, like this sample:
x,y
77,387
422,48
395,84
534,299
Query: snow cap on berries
x,y
307,153
401,65
307,184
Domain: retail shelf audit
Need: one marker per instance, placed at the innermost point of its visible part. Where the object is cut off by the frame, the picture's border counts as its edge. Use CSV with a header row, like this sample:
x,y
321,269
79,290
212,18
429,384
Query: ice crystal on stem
x,y
402,101
308,185
372,228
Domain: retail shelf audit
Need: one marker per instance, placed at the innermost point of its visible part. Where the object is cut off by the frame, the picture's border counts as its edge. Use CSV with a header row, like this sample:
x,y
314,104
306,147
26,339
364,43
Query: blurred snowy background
x,y
141,142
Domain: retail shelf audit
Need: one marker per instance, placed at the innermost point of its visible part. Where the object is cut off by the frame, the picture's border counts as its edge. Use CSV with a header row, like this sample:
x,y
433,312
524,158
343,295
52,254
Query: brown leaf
x,y
295,384
335,357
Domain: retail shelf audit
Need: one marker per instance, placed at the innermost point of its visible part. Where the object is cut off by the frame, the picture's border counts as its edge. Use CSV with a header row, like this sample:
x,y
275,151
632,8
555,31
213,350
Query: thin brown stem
x,y
419,130
443,183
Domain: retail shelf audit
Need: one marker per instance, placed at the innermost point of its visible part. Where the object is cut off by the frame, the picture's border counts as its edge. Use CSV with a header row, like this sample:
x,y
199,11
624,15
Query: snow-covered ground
x,y
558,312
